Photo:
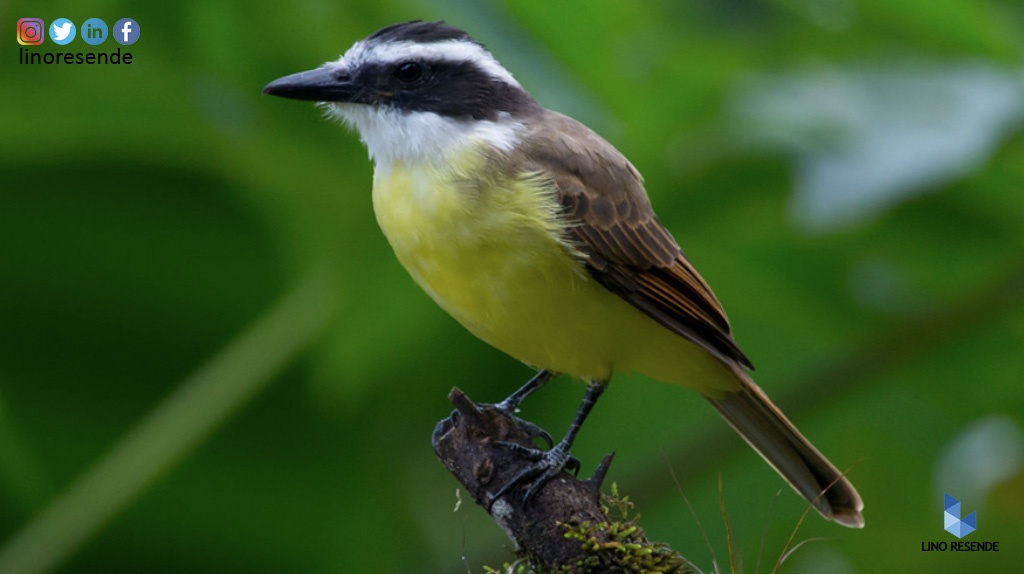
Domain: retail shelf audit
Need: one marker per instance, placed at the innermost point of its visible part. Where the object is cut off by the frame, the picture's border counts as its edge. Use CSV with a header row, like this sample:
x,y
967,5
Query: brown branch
x,y
564,527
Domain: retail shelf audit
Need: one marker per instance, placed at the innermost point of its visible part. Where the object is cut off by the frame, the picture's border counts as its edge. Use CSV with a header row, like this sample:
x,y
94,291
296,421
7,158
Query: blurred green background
x,y
211,362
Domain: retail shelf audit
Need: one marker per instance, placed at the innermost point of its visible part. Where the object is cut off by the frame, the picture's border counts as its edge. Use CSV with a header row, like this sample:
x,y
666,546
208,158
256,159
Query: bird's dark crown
x,y
420,31
433,67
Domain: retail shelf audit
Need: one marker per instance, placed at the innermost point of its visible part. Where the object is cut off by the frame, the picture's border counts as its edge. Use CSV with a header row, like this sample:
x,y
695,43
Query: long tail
x,y
765,428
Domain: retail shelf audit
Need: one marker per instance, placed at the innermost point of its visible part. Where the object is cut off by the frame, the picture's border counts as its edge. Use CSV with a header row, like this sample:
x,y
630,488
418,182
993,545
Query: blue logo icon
x,y
954,524
94,31
62,31
126,31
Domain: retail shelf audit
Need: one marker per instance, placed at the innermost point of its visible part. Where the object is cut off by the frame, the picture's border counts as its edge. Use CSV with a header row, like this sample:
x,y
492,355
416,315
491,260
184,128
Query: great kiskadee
x,y
537,235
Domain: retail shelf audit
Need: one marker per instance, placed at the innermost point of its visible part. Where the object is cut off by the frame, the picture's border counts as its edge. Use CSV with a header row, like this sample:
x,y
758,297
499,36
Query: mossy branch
x,y
565,528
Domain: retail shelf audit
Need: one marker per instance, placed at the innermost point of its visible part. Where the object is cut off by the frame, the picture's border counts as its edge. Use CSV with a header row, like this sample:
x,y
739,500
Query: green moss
x,y
612,547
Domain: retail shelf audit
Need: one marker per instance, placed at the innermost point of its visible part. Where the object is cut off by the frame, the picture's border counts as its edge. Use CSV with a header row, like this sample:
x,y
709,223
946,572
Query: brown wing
x,y
627,249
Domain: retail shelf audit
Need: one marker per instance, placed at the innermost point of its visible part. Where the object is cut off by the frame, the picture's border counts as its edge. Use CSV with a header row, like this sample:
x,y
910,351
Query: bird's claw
x,y
547,465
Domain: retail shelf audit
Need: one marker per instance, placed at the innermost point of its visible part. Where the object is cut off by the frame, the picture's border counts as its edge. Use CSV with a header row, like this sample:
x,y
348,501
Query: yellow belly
x,y
494,259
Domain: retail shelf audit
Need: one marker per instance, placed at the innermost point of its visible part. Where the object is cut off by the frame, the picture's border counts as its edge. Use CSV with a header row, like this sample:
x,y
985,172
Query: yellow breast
x,y
492,252
489,250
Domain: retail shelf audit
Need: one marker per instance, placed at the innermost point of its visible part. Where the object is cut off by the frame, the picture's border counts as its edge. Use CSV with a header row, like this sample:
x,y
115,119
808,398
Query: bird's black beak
x,y
319,85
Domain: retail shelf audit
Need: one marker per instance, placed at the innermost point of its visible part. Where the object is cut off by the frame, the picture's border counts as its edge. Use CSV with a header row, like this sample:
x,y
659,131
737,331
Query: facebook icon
x,y
125,31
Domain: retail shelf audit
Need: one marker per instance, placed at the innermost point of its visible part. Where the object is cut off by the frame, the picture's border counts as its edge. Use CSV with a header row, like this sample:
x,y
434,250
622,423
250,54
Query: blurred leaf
x,y
866,139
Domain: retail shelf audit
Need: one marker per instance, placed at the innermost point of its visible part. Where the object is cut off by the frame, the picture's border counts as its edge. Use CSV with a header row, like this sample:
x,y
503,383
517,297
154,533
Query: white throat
x,y
393,136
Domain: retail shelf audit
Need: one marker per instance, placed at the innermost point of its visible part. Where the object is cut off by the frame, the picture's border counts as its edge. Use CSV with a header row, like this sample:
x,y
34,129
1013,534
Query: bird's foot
x,y
546,466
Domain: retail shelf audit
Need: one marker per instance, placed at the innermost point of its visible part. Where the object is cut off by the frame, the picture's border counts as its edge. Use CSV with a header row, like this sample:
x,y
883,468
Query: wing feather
x,y
626,248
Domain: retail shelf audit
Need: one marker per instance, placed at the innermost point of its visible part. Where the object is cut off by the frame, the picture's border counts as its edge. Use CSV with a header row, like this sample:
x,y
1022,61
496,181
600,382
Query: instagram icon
x,y
30,31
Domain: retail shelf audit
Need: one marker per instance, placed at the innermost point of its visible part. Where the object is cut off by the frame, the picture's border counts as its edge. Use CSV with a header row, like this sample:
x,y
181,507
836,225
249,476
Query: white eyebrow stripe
x,y
447,51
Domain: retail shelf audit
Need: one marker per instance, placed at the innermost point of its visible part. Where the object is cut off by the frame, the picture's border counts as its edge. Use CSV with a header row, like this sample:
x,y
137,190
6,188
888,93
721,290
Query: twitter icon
x,y
62,31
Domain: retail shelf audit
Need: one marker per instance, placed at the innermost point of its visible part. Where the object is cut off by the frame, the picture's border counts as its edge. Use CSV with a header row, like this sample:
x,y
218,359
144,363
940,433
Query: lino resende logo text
x,y
62,31
959,526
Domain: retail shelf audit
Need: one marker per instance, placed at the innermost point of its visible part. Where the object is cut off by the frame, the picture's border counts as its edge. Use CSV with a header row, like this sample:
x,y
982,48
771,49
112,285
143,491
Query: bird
x,y
538,236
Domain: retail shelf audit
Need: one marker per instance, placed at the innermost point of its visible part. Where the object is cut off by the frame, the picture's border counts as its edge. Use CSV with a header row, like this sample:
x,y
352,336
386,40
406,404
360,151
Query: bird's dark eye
x,y
409,72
